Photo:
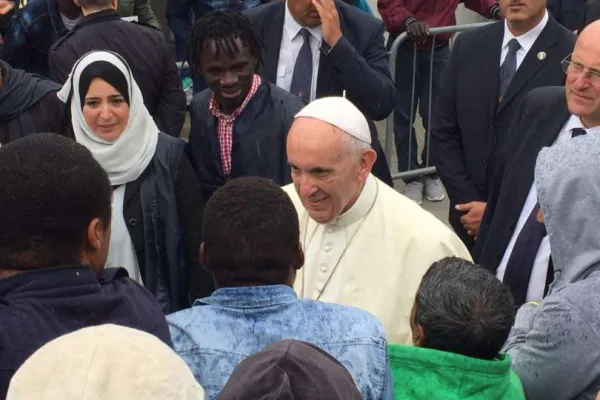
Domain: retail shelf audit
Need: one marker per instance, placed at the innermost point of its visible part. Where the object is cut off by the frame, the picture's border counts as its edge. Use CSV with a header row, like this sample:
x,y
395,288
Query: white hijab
x,y
125,158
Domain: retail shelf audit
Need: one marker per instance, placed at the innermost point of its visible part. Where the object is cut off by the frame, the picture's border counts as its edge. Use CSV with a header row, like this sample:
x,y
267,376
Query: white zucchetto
x,y
341,113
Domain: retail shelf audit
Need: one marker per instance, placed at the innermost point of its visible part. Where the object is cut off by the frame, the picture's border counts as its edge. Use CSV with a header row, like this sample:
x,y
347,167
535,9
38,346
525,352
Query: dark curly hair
x,y
251,233
51,188
222,28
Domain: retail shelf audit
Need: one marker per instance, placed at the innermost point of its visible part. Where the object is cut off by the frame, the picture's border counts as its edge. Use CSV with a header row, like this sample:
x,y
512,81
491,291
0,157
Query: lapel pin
x,y
541,55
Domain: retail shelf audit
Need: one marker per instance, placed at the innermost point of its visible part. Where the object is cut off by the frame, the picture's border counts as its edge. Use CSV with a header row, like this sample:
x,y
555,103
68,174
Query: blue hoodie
x,y
555,346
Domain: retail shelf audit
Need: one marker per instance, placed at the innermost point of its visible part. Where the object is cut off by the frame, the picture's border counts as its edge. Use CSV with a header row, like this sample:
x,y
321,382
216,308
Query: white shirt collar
x,y
528,39
361,207
292,27
575,122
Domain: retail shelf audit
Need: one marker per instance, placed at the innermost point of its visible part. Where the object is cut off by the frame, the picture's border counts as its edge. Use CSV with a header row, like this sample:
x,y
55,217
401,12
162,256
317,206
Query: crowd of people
x,y
268,256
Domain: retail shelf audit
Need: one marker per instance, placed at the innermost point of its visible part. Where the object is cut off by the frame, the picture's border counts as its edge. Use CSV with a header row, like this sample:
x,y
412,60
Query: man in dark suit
x,y
591,13
490,70
568,13
320,48
510,243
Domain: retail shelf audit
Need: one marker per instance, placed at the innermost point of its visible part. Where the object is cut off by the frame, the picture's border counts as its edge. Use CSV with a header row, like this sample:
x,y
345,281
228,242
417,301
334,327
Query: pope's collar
x,y
363,204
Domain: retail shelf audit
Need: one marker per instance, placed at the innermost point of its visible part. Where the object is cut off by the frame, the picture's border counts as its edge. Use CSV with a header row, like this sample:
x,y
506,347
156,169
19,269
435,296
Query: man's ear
x,y
419,339
299,258
203,257
113,4
95,234
367,160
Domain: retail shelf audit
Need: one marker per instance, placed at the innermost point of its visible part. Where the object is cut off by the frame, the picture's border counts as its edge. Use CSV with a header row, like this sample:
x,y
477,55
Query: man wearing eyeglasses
x,y
515,245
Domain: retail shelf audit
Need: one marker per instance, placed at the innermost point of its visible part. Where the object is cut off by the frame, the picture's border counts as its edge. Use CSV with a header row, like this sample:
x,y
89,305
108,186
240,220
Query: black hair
x,y
464,309
51,188
251,233
108,73
95,4
222,28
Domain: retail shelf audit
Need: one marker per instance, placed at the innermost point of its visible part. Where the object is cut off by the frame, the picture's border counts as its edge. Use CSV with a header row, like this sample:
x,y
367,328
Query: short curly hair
x,y
251,233
51,188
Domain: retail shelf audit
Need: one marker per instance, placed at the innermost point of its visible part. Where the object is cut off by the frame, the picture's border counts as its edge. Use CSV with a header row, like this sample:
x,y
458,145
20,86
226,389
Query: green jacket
x,y
141,8
425,374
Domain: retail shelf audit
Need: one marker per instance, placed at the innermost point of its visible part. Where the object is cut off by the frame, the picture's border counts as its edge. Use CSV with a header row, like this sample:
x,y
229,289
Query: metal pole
x,y
389,127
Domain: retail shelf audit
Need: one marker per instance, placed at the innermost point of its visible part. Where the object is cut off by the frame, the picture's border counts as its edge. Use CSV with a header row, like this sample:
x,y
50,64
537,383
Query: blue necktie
x,y
520,263
508,68
303,70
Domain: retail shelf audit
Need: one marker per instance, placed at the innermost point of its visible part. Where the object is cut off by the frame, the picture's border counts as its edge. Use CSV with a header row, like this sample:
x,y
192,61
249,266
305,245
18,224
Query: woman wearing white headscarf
x,y
157,202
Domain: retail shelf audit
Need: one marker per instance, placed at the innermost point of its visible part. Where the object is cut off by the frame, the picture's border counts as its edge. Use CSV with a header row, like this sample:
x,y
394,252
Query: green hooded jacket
x,y
426,374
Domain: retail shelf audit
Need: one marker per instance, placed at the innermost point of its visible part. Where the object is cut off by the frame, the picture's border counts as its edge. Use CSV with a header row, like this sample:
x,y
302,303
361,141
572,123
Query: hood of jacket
x,y
568,189
421,373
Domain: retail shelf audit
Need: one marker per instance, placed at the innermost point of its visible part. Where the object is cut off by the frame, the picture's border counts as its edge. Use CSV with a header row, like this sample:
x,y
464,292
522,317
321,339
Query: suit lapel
x,y
272,35
531,64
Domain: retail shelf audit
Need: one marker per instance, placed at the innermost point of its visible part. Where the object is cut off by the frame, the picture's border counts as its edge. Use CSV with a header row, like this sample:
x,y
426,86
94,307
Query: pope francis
x,y
365,244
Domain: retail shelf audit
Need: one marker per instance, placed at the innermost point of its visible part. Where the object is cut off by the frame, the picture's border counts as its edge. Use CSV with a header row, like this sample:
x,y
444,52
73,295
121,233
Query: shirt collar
x,y
292,27
214,108
528,39
362,206
575,122
250,296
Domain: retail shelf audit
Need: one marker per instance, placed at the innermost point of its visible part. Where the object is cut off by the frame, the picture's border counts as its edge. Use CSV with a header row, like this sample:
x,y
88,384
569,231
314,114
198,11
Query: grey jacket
x,y
555,347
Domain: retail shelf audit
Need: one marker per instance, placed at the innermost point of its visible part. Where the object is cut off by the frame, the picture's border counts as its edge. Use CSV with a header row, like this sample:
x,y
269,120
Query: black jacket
x,y
259,137
163,212
40,305
469,124
591,13
569,13
358,64
540,118
28,104
145,50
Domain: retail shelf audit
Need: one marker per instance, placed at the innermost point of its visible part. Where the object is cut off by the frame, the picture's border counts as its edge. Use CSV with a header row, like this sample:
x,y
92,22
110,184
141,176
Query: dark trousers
x,y
180,15
404,90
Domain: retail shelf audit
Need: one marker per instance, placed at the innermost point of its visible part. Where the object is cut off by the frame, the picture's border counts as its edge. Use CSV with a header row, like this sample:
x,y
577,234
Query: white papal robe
x,y
374,255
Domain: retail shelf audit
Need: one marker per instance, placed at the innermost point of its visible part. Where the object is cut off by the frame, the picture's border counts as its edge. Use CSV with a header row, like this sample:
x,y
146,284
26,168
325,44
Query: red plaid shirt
x,y
226,122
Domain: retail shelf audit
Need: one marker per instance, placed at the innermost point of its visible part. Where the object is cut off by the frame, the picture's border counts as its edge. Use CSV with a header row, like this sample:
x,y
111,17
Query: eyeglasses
x,y
576,70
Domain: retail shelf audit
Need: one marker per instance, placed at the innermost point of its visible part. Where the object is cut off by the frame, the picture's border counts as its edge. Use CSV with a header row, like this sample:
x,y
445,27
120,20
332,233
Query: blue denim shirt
x,y
219,331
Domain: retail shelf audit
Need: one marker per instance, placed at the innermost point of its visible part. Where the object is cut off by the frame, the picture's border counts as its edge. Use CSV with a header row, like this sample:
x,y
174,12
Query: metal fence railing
x,y
389,148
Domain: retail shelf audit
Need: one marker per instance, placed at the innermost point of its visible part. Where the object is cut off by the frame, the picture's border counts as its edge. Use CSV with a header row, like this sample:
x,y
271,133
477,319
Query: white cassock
x,y
374,255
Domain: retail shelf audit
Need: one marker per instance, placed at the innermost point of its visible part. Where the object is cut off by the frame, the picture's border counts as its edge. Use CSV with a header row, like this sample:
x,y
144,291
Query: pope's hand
x,y
330,21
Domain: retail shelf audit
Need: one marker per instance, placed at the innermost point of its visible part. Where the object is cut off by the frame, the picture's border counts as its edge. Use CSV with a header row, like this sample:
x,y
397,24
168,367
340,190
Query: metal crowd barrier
x,y
389,148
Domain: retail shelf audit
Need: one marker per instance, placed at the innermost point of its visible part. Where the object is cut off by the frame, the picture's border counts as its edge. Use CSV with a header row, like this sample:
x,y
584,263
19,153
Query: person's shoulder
x,y
290,190
283,96
565,36
201,100
543,97
262,11
354,321
117,281
475,36
357,18
419,228
581,296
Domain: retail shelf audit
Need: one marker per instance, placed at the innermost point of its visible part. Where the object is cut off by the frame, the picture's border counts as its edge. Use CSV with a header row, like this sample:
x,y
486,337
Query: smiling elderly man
x,y
366,245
